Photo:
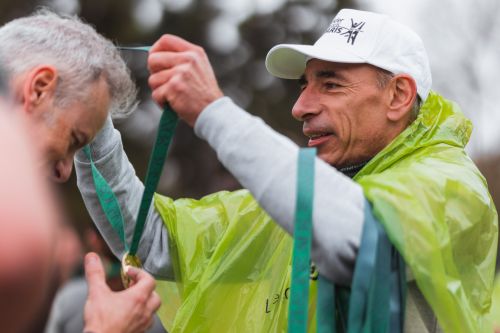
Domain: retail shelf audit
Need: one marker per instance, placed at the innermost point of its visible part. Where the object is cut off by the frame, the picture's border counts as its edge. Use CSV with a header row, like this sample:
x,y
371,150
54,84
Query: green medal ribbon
x,y
325,306
135,48
166,129
302,240
301,261
376,302
107,198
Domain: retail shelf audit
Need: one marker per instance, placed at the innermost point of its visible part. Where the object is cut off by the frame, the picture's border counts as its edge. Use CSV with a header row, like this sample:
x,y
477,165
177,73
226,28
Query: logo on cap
x,y
337,27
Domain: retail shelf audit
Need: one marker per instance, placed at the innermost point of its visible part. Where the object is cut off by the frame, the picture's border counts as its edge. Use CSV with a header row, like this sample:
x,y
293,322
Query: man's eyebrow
x,y
323,74
328,74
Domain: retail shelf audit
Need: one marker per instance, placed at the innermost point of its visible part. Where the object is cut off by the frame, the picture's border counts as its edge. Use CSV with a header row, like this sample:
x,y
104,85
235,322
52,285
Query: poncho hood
x,y
435,206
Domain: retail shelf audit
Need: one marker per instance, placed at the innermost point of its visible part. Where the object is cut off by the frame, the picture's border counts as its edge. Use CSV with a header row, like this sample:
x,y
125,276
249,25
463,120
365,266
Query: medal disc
x,y
129,260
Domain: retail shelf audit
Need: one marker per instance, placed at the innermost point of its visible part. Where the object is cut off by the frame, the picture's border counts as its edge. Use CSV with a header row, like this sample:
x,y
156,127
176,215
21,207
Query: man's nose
x,y
62,170
306,106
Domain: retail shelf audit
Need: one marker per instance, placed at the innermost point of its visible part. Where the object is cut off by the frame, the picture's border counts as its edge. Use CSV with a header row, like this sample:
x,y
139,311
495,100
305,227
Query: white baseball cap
x,y
356,36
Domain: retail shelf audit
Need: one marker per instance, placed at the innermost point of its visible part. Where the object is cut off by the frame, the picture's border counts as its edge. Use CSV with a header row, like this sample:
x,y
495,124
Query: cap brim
x,y
288,61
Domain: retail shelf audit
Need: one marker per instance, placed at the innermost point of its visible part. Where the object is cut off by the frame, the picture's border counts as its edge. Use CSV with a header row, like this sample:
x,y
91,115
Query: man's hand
x,y
130,310
181,75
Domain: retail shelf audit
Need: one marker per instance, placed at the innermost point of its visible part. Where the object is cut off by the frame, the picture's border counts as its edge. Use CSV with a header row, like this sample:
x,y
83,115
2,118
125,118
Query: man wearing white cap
x,y
383,140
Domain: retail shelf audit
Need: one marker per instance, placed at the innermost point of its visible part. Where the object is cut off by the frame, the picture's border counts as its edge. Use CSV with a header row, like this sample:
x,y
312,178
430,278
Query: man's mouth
x,y
316,139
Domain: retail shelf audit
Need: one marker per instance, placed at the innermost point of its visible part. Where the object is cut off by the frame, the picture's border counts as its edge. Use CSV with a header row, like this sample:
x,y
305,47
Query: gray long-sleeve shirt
x,y
264,162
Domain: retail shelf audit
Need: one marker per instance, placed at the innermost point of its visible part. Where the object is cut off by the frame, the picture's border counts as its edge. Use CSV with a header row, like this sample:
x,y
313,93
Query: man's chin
x,y
328,158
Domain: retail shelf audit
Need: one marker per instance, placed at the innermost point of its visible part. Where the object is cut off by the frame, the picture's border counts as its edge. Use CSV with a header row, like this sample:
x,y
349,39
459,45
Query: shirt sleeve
x,y
111,160
265,162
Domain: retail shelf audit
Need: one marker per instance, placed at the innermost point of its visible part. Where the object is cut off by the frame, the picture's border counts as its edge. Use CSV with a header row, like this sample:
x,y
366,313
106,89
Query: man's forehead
x,y
326,69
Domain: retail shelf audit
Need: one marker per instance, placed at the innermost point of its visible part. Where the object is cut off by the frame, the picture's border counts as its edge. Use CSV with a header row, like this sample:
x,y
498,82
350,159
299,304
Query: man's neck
x,y
351,170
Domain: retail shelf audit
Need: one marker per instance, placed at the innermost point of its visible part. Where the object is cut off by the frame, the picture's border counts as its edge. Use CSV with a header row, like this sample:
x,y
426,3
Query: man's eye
x,y
331,85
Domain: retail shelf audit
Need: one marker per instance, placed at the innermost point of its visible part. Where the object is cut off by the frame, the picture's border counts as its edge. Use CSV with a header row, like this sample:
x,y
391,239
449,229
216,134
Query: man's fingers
x,y
160,95
172,43
94,273
159,61
143,282
154,302
171,82
160,78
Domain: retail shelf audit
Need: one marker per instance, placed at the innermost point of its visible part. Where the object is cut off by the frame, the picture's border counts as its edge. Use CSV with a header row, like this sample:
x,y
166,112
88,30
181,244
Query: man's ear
x,y
40,84
402,94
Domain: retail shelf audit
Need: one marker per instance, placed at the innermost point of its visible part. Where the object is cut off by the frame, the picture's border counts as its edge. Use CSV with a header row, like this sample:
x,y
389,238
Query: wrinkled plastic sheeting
x,y
436,209
232,265
495,308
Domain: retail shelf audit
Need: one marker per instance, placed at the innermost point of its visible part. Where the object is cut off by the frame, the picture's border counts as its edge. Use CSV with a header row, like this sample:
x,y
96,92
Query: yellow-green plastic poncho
x,y
232,262
495,308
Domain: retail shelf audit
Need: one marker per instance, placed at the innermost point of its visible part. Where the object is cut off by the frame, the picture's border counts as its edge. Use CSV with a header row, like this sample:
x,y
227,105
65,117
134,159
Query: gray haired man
x,y
64,78
67,77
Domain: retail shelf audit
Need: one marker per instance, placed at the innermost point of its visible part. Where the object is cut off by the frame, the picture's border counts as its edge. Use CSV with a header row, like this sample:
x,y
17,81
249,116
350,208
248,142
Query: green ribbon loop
x,y
166,129
302,235
134,48
107,198
325,308
378,295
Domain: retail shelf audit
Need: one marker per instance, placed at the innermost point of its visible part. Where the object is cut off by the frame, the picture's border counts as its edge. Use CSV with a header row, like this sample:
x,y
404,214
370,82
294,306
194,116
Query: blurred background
x,y
463,42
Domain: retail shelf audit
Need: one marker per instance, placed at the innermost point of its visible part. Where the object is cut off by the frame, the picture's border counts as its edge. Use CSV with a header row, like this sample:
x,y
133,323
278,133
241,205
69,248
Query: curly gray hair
x,y
79,53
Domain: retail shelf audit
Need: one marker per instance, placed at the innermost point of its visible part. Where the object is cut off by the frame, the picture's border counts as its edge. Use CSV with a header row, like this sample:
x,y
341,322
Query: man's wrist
x,y
205,113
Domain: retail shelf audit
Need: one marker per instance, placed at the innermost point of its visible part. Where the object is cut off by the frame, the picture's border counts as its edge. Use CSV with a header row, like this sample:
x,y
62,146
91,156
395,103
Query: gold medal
x,y
129,260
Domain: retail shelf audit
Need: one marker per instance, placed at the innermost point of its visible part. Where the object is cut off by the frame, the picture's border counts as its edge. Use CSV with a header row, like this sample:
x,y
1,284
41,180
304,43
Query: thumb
x,y
94,273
